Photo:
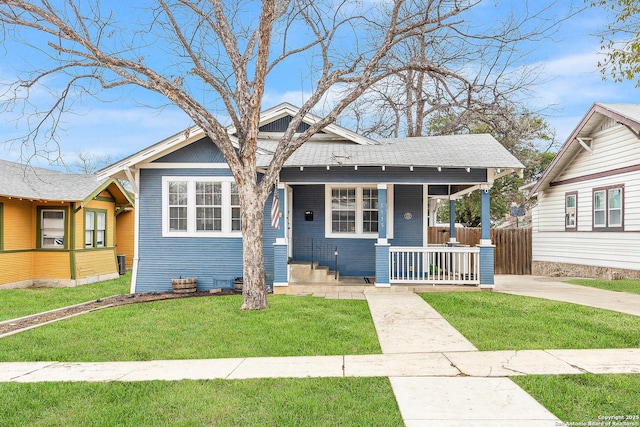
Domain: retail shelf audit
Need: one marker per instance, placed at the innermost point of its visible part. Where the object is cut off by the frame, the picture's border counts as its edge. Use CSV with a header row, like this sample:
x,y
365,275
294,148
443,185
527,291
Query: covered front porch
x,y
393,252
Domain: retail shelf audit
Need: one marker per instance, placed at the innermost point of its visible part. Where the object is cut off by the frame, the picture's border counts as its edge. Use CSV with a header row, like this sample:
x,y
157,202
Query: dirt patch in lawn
x,y
28,322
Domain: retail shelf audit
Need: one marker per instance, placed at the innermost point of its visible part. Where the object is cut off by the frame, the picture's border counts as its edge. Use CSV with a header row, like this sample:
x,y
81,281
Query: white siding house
x,y
587,218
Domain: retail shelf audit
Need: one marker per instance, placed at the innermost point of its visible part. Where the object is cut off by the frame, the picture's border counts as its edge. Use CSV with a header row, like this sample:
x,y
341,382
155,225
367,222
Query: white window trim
x,y
191,207
42,229
358,234
604,224
609,208
568,210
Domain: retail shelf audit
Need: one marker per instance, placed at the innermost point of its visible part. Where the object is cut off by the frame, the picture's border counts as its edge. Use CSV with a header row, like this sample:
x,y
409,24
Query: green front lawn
x,y
632,286
256,402
201,328
587,398
23,302
496,321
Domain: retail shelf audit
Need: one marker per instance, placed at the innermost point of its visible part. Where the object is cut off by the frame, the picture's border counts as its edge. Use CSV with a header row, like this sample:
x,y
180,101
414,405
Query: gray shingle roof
x,y
475,151
631,111
18,180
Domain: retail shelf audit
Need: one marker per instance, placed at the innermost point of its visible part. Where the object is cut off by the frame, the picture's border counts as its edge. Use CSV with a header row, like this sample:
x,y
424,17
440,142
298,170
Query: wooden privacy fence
x,y
513,246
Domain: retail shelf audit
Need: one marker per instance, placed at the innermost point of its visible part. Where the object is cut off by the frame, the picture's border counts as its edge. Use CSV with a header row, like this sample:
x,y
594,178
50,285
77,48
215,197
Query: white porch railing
x,y
434,264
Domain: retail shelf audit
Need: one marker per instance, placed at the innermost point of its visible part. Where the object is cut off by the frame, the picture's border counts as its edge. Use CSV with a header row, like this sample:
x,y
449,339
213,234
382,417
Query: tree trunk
x,y
254,289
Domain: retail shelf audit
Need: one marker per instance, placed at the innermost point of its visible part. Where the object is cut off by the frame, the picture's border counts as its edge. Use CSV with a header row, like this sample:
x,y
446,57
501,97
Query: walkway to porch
x,y
354,288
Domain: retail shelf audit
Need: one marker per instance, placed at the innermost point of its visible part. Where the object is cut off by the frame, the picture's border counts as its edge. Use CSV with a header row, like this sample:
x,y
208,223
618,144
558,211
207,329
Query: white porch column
x,y
452,220
426,214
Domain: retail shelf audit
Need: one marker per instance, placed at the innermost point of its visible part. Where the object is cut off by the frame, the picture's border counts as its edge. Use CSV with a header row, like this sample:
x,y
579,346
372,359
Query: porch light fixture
x,y
328,167
355,167
301,168
411,168
439,169
468,169
384,168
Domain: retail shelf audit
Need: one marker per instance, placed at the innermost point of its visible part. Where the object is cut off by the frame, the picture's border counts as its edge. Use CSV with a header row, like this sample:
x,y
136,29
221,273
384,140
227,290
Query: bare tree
x,y
86,162
209,57
463,74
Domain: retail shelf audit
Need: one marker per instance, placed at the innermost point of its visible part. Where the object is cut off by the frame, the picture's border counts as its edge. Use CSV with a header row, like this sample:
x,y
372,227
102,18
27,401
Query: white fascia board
x,y
285,109
153,152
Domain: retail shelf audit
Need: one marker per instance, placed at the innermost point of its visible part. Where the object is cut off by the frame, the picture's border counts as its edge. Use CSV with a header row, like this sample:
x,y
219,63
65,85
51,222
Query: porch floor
x,y
357,285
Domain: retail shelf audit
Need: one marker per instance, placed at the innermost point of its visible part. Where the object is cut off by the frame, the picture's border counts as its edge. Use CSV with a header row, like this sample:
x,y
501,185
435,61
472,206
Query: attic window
x,y
281,124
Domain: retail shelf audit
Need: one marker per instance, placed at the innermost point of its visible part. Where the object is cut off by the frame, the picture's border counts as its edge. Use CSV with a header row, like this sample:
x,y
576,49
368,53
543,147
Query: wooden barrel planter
x,y
184,285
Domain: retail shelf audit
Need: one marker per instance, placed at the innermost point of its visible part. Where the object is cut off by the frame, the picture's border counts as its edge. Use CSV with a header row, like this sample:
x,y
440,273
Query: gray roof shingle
x,y
18,180
631,111
455,151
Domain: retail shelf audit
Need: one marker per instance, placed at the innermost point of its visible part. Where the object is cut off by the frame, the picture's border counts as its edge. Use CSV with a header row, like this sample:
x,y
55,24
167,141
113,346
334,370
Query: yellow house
x,y
59,229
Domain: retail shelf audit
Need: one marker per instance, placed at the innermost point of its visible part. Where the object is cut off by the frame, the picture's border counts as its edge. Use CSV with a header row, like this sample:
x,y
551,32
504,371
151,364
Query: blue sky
x,y
571,85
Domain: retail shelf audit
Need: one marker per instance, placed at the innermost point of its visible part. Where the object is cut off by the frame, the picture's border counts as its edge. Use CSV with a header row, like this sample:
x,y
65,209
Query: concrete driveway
x,y
554,288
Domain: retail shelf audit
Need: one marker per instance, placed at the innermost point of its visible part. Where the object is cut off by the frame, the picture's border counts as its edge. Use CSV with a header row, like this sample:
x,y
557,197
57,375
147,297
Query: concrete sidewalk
x,y
438,377
485,364
554,289
406,324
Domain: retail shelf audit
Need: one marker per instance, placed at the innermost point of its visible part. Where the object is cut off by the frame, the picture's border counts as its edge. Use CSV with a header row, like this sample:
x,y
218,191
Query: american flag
x,y
275,210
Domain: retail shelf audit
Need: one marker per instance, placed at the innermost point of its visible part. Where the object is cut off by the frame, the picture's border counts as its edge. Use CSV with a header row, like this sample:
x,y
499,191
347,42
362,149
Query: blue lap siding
x,y
356,257
215,262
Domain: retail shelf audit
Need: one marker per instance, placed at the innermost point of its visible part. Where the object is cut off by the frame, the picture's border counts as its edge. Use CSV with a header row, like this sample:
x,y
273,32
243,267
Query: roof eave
x,y
561,160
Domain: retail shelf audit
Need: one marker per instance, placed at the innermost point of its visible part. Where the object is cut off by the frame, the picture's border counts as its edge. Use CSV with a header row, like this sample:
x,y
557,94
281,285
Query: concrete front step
x,y
311,273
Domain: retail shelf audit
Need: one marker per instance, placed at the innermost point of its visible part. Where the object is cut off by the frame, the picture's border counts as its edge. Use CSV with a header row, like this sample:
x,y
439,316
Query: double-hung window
x,y
200,207
570,211
95,226
608,208
208,206
177,196
52,228
352,211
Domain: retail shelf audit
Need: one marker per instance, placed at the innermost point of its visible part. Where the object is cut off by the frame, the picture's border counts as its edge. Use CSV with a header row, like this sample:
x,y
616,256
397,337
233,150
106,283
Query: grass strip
x,y
496,321
631,286
201,328
588,398
257,402
23,302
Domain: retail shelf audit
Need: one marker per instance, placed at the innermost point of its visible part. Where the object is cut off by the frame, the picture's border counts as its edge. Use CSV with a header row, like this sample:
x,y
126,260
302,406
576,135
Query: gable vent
x,y
607,124
281,125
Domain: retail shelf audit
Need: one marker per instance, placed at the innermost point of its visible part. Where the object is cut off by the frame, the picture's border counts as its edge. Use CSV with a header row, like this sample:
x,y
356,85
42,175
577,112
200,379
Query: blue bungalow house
x,y
358,206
